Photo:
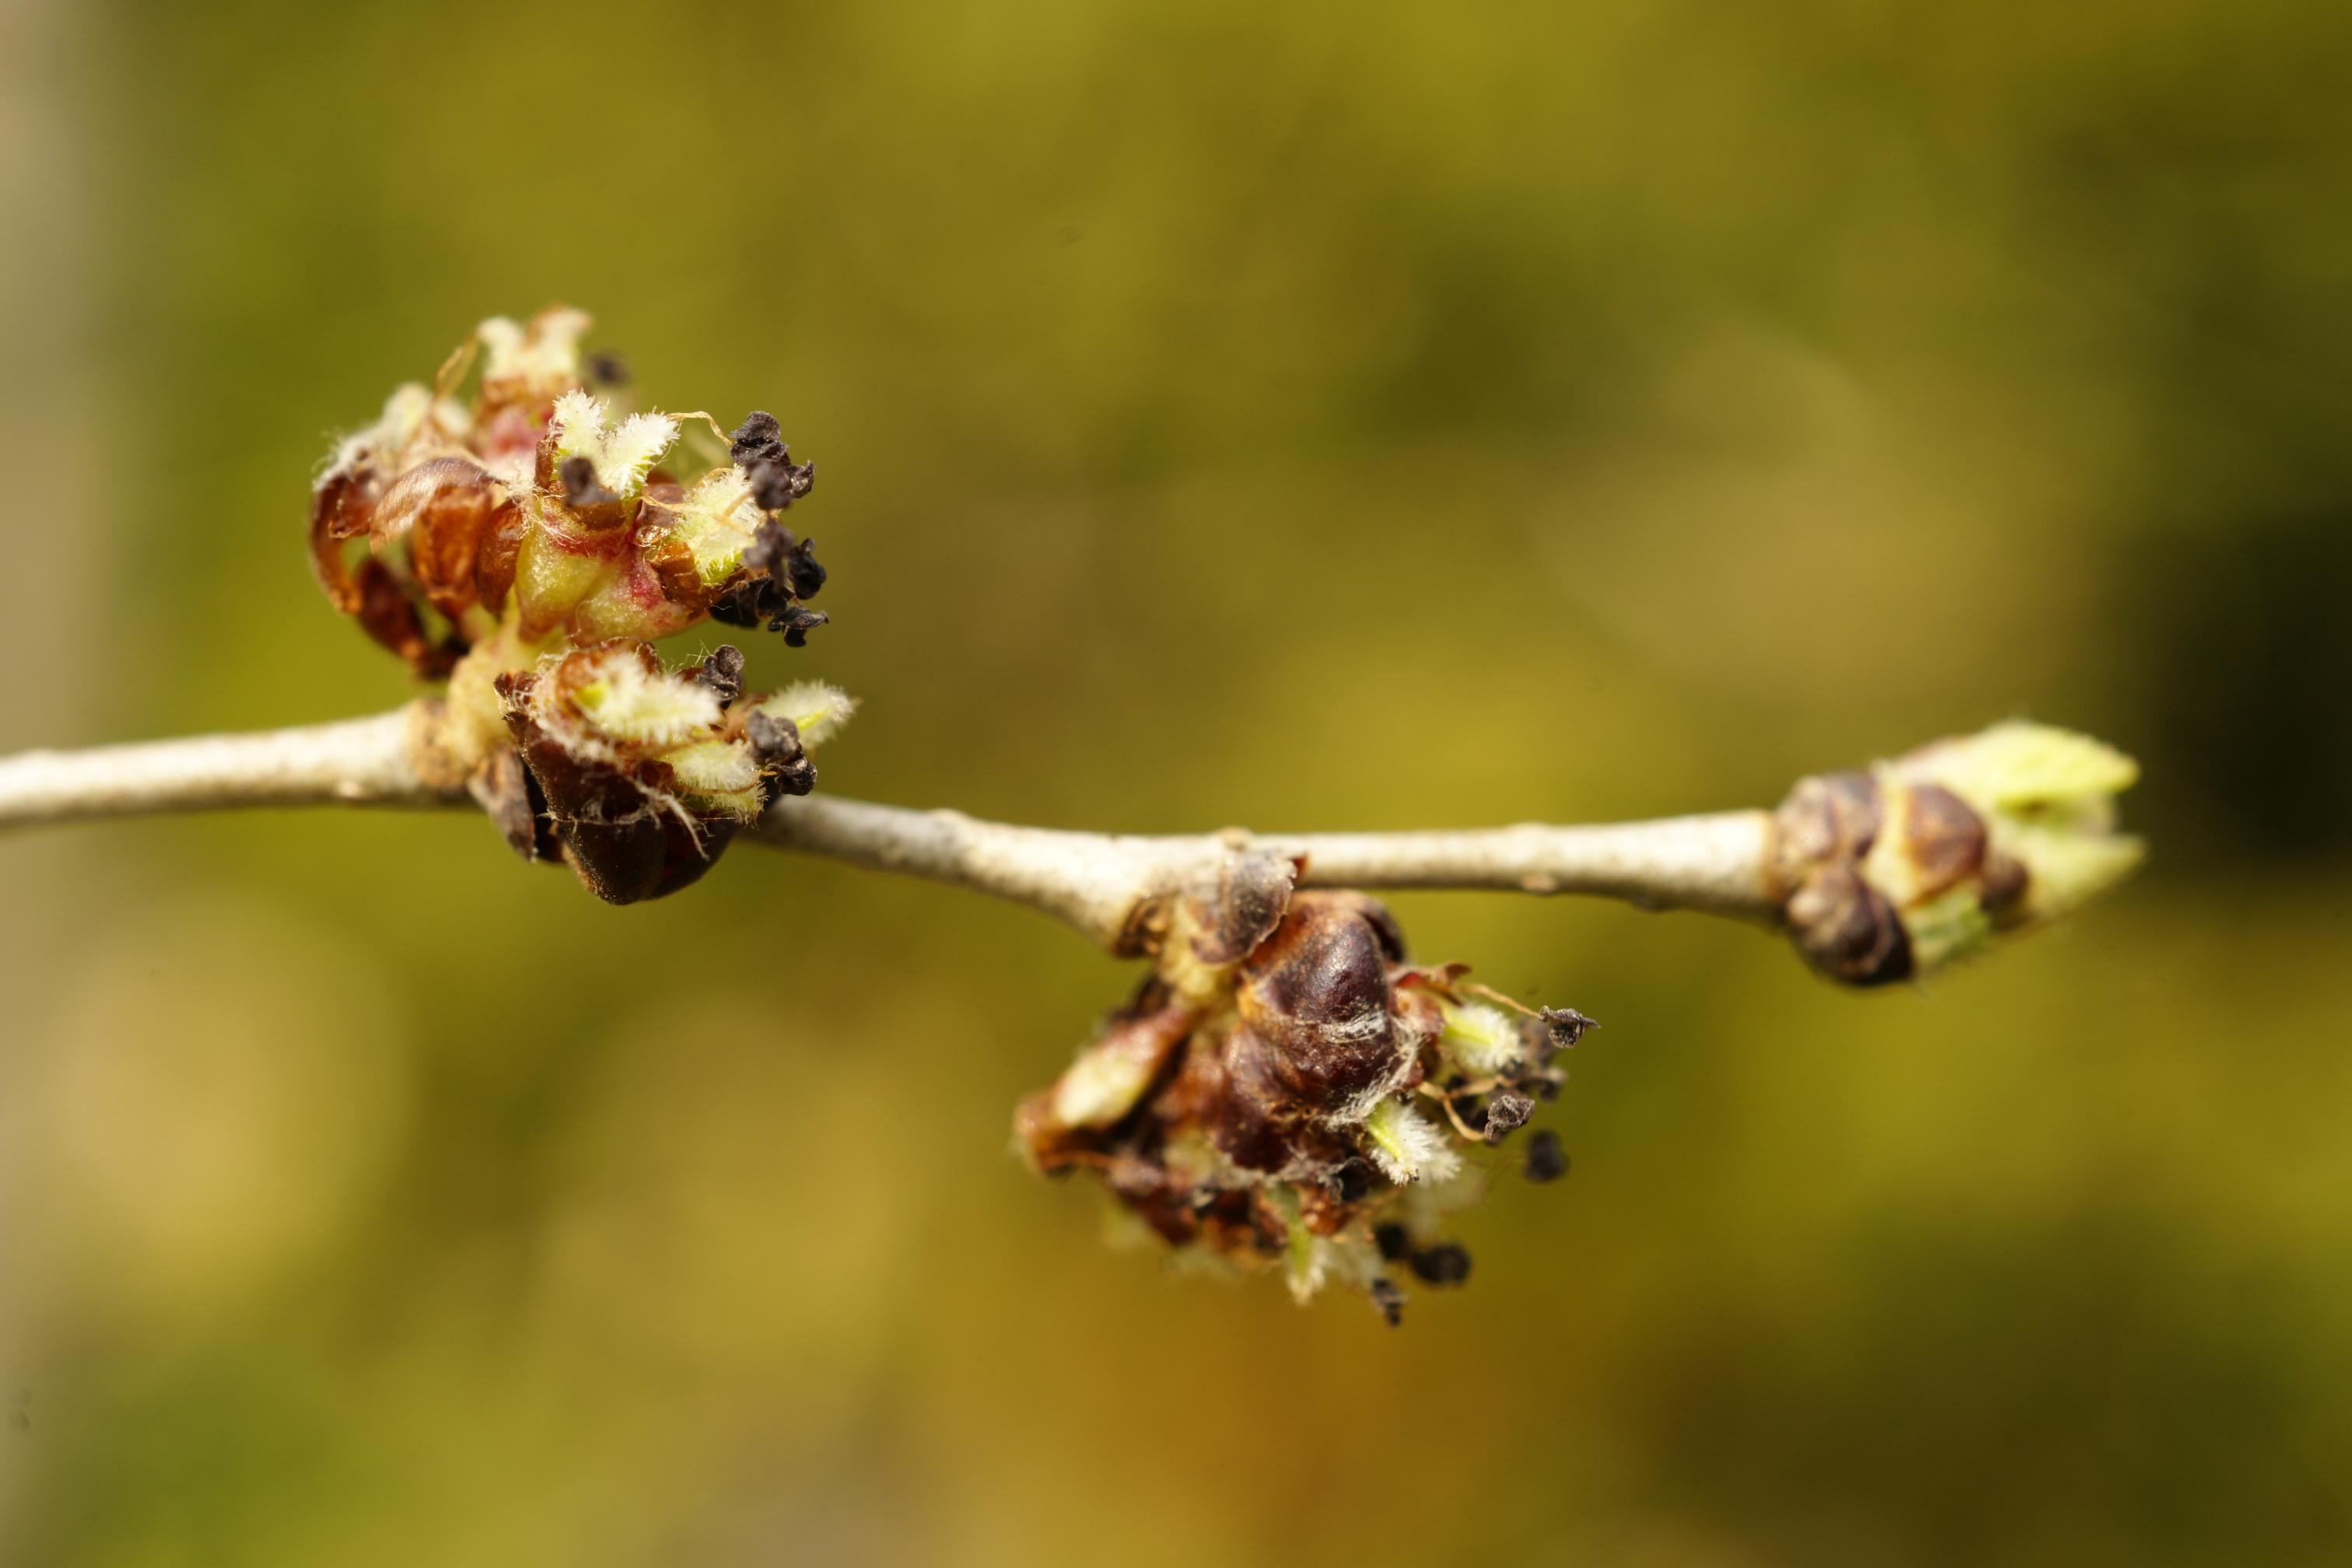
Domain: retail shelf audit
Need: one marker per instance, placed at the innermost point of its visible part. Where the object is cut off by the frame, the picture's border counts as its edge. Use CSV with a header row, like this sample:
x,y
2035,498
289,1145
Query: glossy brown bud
x,y
618,823
1317,991
1848,929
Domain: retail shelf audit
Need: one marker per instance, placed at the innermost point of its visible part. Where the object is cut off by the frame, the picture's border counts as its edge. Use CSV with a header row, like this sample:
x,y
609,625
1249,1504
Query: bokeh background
x,y
1313,416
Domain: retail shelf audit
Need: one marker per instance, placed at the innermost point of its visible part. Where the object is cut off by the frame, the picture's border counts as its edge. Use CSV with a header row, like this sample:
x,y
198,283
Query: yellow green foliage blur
x,y
1312,415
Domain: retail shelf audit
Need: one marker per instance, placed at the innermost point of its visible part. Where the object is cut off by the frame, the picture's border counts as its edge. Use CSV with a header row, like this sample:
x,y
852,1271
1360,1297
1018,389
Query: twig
x,y
356,762
1096,882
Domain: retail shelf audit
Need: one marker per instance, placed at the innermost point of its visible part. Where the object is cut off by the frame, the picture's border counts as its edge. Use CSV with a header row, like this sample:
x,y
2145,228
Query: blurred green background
x,y
1311,416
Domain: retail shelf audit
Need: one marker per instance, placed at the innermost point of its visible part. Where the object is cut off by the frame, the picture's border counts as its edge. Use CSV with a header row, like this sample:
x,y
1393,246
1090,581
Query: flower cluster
x,y
525,543
1891,871
1288,1088
638,776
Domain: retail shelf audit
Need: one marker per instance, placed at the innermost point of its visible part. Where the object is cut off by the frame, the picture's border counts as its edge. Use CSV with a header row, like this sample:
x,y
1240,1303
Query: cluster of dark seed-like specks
x,y
782,570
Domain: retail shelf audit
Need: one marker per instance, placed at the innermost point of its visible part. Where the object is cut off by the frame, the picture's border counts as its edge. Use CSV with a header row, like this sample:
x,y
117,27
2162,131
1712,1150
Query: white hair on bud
x,y
816,710
1484,1039
716,769
404,413
1405,1147
629,452
621,457
577,423
630,703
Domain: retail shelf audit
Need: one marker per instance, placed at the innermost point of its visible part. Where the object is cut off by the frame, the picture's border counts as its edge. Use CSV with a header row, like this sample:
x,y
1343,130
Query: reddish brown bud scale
x,y
1241,906
1317,992
343,509
495,557
1848,929
1945,836
444,508
1255,1099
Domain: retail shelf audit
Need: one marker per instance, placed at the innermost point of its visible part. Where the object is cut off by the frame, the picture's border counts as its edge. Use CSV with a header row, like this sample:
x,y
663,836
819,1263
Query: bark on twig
x,y
1098,882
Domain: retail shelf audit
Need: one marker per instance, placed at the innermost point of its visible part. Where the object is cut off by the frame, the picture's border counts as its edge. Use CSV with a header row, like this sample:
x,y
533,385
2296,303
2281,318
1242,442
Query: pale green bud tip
x,y
2018,766
1897,869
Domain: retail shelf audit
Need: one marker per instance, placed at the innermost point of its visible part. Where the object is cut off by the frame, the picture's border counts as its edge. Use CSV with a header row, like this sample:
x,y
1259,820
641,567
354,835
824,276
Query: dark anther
x,y
1389,1299
1447,1263
581,485
796,777
802,573
777,481
776,742
1351,1181
771,483
773,597
774,739
1506,1112
738,606
771,544
756,436
1566,1025
723,672
608,369
796,623
758,449
1546,1161
1392,1241
1471,1114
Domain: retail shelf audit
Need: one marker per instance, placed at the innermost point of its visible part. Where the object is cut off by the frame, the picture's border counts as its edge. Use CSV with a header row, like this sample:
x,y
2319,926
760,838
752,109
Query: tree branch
x,y
356,762
1096,882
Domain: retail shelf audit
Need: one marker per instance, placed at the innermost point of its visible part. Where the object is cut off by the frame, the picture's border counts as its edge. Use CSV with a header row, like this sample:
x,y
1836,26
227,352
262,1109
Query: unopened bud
x,y
1897,869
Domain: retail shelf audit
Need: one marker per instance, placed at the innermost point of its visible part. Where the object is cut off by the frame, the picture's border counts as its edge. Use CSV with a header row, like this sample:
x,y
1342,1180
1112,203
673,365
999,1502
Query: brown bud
x,y
1944,838
1238,906
1834,817
1847,929
1317,991
621,833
